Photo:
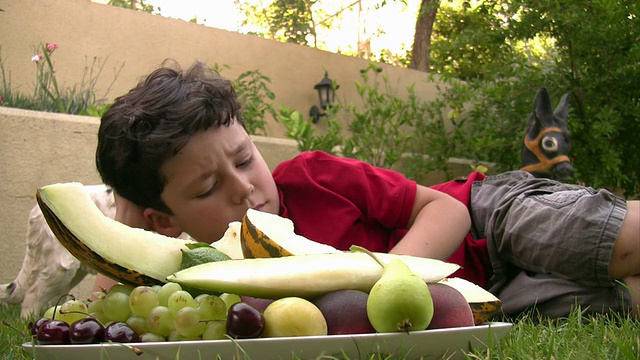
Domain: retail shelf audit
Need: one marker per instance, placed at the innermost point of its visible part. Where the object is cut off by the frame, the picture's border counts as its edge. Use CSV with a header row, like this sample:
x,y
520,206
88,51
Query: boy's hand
x,y
129,213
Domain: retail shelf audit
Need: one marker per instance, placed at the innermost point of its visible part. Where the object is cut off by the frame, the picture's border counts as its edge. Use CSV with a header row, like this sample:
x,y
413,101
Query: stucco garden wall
x,y
141,41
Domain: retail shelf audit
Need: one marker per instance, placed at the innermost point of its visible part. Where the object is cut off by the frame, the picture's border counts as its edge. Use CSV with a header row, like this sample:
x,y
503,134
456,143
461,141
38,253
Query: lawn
x,y
576,337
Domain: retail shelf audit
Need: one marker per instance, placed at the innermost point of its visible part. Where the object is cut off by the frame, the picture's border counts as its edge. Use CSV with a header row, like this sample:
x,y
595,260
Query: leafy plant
x,y
48,94
304,133
257,99
380,127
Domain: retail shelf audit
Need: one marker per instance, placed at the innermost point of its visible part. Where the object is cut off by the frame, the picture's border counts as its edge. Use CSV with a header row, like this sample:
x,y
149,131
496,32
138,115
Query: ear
x,y
542,108
162,223
562,111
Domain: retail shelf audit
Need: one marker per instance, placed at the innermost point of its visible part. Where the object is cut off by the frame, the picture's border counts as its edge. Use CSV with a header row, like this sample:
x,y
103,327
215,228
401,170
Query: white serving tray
x,y
429,344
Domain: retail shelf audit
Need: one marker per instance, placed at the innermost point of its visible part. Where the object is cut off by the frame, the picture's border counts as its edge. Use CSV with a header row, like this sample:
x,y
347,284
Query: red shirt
x,y
337,201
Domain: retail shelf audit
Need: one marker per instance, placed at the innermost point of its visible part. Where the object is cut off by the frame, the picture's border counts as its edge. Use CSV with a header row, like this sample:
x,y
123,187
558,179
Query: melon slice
x,y
129,255
302,275
267,235
484,304
230,241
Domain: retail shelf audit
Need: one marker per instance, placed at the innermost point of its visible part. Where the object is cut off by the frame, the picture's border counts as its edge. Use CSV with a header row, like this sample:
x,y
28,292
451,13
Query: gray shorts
x,y
549,243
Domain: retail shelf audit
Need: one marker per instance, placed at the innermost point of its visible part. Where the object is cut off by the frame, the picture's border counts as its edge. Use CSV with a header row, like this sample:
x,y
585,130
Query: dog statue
x,y
48,269
546,142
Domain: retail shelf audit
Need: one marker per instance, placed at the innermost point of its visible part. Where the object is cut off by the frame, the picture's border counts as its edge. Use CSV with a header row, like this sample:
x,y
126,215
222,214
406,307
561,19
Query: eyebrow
x,y
205,175
241,147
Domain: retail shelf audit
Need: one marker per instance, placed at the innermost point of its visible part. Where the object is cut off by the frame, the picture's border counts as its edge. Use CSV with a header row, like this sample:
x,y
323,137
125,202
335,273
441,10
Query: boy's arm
x,y
437,226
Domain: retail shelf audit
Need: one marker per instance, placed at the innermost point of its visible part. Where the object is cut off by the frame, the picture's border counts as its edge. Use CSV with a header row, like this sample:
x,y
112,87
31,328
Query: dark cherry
x,y
86,331
120,332
244,321
53,332
33,326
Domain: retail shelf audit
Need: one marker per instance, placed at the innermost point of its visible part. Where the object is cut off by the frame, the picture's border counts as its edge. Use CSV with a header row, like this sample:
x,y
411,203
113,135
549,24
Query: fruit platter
x,y
428,344
260,292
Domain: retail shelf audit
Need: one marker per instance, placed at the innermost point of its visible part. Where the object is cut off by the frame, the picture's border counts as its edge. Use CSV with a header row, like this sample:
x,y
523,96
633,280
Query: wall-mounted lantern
x,y
327,94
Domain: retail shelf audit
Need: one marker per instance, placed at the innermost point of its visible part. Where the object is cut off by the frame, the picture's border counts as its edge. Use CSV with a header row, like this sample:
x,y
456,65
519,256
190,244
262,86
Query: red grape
x,y
244,321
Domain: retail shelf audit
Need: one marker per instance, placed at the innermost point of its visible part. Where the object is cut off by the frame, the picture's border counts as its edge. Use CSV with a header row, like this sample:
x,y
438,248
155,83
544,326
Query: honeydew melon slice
x,y
230,241
302,275
126,254
267,235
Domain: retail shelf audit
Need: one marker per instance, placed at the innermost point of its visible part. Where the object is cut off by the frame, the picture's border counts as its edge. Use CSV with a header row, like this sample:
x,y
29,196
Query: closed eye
x,y
245,163
207,193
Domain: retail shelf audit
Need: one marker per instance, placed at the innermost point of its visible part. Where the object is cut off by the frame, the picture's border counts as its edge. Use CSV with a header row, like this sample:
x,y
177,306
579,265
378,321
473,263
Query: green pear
x,y
399,300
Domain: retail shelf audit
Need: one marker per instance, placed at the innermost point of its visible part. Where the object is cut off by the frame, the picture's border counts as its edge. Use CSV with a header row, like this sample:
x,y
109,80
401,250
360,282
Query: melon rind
x,y
126,254
484,304
269,235
303,275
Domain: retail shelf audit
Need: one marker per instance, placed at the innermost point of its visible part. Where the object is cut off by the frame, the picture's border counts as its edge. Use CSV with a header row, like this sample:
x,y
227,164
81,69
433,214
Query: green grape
x,y
72,310
212,307
95,306
156,288
142,299
116,306
151,337
180,299
138,324
52,312
160,321
215,330
125,289
175,336
230,299
187,322
166,291
199,298
100,316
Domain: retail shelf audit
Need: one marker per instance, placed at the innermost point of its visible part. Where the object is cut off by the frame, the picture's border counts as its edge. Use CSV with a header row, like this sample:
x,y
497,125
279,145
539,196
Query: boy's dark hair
x,y
154,121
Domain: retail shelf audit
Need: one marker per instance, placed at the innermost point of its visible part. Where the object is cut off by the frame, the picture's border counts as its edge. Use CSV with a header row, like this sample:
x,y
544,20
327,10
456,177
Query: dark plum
x,y
257,303
244,321
119,331
53,332
86,331
450,308
345,312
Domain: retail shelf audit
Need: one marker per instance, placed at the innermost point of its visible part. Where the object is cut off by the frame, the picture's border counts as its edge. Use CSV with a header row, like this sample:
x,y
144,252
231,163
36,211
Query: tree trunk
x,y
422,39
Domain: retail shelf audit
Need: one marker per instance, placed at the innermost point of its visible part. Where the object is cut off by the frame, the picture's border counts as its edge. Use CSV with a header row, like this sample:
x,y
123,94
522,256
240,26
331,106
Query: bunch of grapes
x,y
129,314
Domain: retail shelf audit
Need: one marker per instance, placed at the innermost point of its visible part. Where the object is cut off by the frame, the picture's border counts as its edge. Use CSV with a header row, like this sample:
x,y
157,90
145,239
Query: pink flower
x,y
51,46
37,58
1,99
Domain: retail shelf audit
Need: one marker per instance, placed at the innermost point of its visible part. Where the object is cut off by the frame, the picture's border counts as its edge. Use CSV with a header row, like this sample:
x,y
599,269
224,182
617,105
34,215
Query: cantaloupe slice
x,y
484,304
129,255
302,275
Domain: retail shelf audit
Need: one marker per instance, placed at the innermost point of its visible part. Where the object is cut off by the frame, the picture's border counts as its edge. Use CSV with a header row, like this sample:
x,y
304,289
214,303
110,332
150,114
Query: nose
x,y
563,170
242,188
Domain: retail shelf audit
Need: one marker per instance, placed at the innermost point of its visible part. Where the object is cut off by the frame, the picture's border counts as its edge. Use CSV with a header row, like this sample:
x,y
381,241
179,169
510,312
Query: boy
x,y
176,152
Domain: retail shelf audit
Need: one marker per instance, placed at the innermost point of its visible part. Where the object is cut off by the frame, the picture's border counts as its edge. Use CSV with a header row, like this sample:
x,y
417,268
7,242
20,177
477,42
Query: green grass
x,y
576,337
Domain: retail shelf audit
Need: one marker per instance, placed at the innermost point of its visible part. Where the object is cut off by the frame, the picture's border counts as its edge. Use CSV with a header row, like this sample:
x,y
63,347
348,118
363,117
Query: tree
x,y
139,5
421,51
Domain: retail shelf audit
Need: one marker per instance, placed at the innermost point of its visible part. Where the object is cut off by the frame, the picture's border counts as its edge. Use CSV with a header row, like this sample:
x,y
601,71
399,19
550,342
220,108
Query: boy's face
x,y
214,179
